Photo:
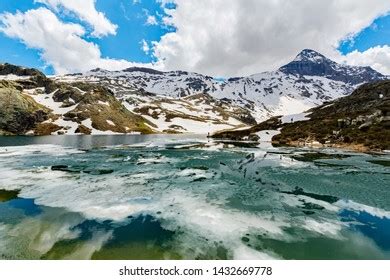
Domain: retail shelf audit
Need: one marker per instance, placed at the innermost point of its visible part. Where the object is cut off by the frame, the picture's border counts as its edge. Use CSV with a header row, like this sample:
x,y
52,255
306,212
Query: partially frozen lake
x,y
182,197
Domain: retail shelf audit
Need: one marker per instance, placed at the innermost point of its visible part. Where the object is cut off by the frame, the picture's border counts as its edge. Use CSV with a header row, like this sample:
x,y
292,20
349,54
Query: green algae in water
x,y
8,195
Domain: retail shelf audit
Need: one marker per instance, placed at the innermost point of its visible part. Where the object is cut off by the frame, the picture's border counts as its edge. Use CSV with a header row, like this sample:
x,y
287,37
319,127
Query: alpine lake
x,y
186,197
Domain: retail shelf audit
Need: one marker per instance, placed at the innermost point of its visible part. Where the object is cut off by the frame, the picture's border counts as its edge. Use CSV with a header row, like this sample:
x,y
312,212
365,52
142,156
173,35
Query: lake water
x,y
182,197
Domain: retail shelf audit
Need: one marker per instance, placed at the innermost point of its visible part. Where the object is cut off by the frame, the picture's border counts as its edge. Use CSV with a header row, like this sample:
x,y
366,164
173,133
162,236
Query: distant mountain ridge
x,y
307,81
152,101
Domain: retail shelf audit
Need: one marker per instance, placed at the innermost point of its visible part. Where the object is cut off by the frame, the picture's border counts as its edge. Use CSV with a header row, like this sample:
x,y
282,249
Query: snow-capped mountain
x,y
307,81
170,84
311,63
141,100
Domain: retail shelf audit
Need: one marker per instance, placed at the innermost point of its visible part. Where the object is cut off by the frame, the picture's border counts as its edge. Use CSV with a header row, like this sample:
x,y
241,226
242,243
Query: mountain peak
x,y
143,70
310,55
311,63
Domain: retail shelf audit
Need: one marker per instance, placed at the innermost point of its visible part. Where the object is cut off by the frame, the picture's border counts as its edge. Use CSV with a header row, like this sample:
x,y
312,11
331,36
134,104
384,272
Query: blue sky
x,y
378,33
131,18
11,50
215,37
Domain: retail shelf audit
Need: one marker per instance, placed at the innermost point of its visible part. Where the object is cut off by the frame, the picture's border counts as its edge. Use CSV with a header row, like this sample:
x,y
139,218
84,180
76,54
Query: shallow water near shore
x,y
184,197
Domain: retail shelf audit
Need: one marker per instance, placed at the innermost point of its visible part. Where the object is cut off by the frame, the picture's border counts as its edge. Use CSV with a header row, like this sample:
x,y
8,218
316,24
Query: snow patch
x,y
12,77
267,135
295,118
110,122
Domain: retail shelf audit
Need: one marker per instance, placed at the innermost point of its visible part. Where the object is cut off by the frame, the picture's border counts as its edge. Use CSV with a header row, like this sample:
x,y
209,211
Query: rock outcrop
x,y
19,113
32,104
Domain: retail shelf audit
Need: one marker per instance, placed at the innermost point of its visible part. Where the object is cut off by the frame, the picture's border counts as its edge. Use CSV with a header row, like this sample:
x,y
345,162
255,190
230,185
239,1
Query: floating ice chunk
x,y
327,228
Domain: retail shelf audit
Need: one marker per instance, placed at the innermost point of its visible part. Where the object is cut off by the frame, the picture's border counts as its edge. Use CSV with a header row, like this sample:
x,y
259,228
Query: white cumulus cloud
x,y
87,12
60,43
239,37
220,37
377,57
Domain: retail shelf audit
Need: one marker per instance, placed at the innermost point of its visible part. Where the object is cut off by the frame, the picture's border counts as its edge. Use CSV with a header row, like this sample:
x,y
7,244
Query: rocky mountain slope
x,y
198,113
19,113
360,121
311,63
308,81
83,107
33,104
